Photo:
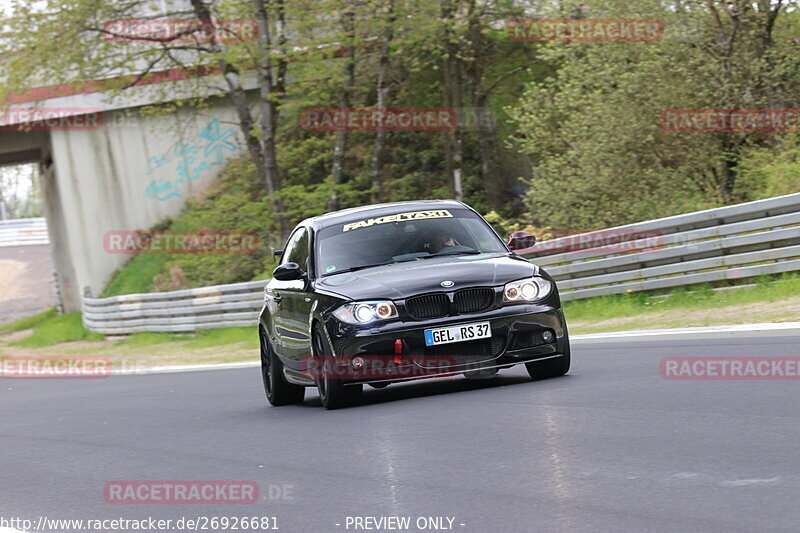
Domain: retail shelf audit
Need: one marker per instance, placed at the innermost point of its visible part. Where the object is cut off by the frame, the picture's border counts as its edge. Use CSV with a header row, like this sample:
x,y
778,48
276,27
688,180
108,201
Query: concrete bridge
x,y
109,164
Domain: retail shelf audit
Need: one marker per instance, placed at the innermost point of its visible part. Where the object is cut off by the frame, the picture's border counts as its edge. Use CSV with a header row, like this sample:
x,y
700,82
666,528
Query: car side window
x,y
297,249
291,244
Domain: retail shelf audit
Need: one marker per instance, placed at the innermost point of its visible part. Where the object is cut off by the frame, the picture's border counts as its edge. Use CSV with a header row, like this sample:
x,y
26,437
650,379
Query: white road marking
x,y
686,475
169,369
745,482
739,328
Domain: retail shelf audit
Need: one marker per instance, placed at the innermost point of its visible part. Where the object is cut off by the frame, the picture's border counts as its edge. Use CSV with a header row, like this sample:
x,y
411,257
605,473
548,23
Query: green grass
x,y
49,329
202,339
58,329
151,338
137,276
690,298
223,336
30,321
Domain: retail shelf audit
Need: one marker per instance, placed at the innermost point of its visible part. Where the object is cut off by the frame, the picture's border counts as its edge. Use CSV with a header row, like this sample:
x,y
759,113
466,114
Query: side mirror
x,y
277,252
520,240
288,272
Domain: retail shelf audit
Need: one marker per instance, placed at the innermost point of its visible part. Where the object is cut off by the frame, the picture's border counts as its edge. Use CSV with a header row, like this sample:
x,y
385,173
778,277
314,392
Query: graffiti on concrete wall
x,y
186,162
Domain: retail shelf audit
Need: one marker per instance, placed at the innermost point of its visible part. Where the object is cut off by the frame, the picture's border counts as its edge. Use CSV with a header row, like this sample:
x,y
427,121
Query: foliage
x,y
593,128
20,196
575,140
771,170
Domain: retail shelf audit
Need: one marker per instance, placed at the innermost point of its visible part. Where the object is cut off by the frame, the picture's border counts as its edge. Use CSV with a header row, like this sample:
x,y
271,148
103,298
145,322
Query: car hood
x,y
402,280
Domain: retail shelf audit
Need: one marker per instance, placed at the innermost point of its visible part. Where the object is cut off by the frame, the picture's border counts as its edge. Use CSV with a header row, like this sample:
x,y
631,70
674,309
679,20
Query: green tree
x,y
593,127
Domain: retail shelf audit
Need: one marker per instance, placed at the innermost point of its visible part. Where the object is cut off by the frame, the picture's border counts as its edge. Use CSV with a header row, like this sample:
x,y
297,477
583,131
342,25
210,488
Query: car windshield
x,y
403,236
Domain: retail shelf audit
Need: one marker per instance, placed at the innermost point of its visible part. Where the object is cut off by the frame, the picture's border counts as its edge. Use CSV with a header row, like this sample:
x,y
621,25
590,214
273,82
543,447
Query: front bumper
x,y
518,336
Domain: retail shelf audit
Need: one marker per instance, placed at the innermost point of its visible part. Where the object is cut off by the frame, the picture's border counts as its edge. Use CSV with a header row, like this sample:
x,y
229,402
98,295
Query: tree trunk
x,y
731,154
263,159
268,114
382,93
340,146
451,74
494,184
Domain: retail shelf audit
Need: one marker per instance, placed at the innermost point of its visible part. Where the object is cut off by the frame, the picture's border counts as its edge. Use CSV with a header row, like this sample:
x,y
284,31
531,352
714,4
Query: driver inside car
x,y
442,241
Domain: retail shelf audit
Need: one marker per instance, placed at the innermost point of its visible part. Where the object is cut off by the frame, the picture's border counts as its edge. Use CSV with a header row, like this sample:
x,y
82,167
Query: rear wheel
x,y
550,368
332,392
279,391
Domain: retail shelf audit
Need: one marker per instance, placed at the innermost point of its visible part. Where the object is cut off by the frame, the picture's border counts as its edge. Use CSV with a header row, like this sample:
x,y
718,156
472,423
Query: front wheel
x,y
279,391
332,392
549,368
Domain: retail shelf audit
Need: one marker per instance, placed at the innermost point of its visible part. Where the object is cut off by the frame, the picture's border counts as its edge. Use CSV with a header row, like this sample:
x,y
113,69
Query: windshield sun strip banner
x,y
399,217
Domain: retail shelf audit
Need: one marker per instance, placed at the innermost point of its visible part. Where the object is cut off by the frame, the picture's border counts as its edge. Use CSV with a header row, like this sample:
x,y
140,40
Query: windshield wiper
x,y
362,267
410,259
434,256
357,267
460,252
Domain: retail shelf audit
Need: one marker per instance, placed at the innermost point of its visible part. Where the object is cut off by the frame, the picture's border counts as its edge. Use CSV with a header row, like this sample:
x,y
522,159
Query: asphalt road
x,y
610,447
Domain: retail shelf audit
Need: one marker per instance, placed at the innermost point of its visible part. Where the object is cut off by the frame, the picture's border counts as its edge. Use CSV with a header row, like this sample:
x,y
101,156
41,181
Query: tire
x,y
550,368
332,392
279,391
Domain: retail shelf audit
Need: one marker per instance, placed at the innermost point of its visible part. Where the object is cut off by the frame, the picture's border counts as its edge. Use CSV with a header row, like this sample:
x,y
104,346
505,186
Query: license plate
x,y
466,332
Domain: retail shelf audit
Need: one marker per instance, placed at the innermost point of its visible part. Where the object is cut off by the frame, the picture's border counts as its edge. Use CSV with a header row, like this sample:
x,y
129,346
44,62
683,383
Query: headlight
x,y
364,312
527,290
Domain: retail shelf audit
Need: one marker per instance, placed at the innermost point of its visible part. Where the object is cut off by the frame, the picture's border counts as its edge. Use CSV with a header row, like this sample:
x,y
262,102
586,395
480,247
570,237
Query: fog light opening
x,y
357,362
547,336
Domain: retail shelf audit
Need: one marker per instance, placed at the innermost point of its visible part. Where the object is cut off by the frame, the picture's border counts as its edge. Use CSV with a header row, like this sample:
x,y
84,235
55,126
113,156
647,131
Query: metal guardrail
x,y
236,304
734,242
23,232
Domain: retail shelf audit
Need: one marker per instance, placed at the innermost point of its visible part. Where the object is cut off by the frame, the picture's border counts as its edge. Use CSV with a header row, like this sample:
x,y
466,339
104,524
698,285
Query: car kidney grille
x,y
473,300
428,306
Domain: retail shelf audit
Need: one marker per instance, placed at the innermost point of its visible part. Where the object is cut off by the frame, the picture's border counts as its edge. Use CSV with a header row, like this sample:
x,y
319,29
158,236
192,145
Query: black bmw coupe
x,y
408,290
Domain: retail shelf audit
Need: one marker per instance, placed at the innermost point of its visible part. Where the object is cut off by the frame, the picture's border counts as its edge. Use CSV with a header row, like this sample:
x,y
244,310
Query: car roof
x,y
377,210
